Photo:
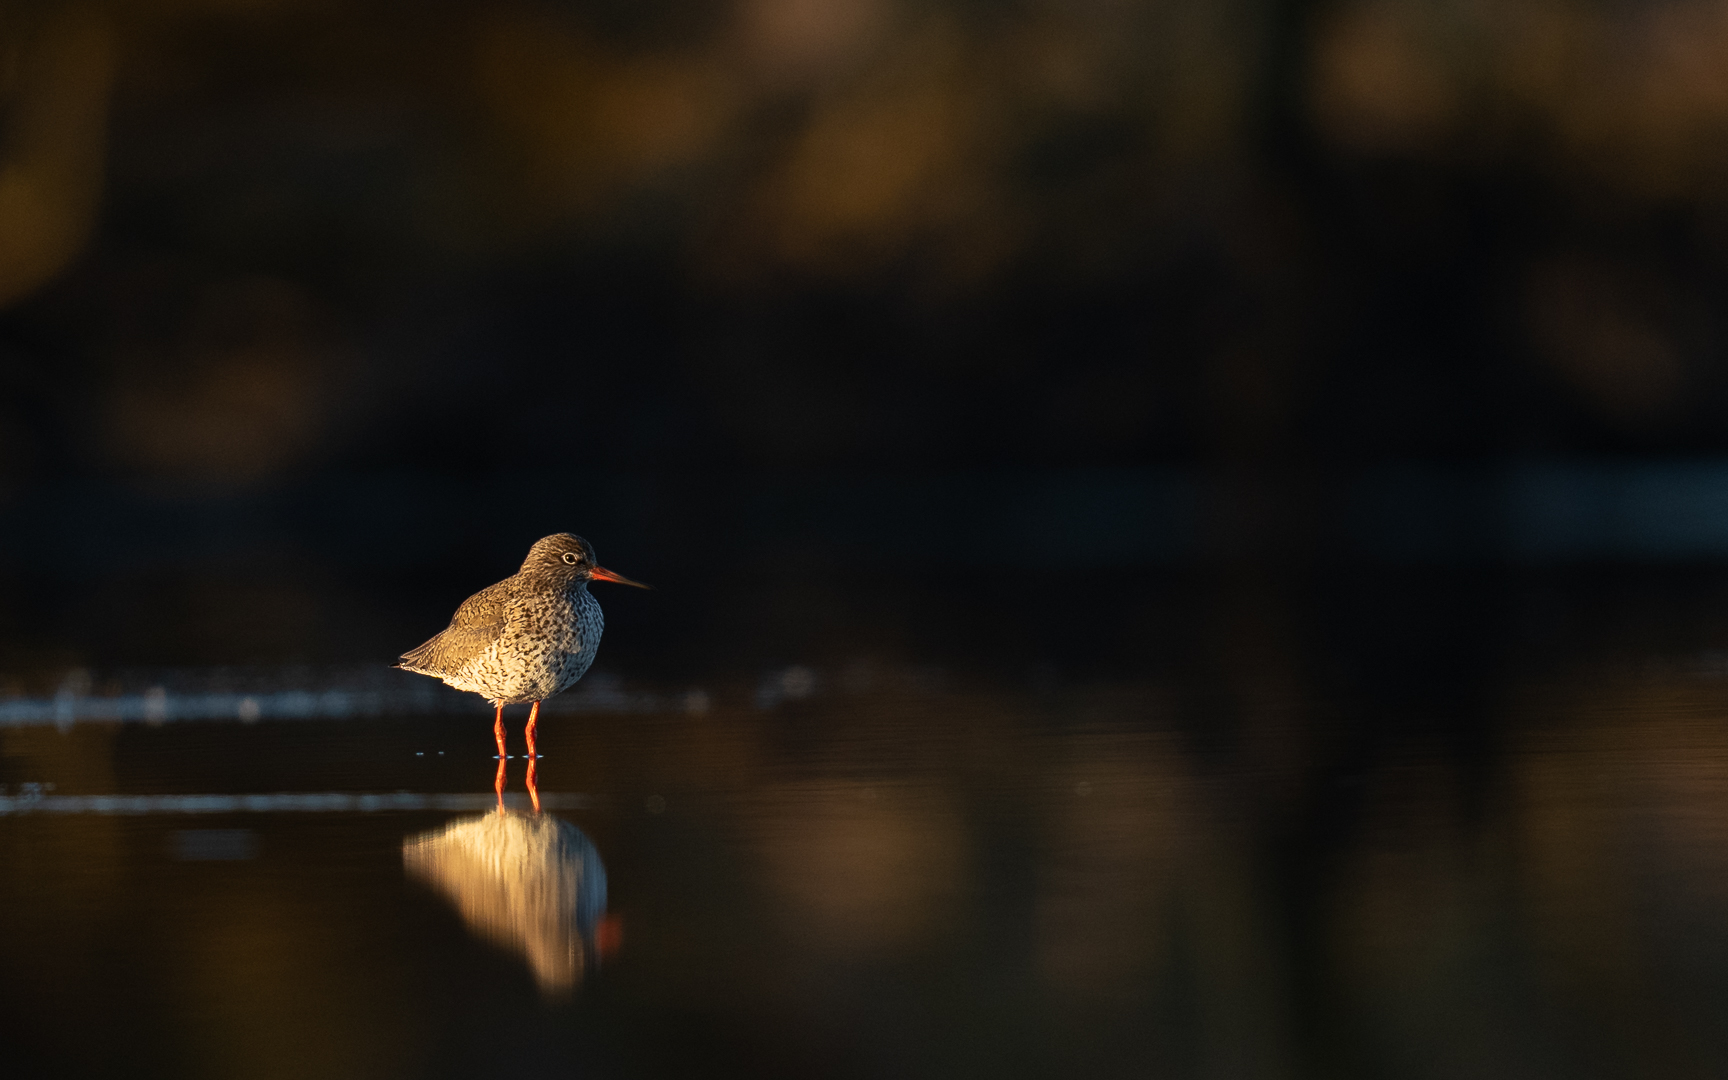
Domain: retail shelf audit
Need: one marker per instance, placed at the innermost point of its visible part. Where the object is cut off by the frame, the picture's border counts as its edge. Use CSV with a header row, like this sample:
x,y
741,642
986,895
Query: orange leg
x,y
498,734
533,758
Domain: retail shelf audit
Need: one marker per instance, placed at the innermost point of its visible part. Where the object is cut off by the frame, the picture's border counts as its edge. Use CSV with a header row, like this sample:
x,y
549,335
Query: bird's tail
x,y
419,659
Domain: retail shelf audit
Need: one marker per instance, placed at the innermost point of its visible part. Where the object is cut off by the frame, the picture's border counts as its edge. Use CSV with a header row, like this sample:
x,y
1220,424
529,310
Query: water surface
x,y
873,870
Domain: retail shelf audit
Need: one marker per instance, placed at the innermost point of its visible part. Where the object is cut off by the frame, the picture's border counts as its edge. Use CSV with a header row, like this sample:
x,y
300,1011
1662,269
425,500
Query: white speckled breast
x,y
548,642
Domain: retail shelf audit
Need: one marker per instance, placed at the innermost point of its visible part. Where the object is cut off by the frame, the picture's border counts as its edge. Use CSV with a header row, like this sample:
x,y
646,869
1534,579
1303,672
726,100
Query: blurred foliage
x,y
240,241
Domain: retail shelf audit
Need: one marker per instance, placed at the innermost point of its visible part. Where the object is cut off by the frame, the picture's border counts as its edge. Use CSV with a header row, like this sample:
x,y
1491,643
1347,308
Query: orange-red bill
x,y
600,573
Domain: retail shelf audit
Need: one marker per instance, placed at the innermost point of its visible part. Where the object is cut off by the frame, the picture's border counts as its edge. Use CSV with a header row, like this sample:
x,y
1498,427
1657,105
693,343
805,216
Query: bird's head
x,y
567,559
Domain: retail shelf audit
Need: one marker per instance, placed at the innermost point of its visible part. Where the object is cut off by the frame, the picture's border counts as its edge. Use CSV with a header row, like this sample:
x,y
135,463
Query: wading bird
x,y
526,638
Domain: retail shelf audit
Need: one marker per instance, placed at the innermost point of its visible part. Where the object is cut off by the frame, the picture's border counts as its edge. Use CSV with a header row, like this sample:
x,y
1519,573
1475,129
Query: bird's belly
x,y
516,675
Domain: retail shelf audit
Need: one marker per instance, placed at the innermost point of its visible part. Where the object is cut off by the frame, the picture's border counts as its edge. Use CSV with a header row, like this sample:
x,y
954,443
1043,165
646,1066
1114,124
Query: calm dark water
x,y
870,869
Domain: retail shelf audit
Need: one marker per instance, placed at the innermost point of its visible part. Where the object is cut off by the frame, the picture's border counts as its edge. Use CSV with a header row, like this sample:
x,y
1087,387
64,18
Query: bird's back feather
x,y
476,625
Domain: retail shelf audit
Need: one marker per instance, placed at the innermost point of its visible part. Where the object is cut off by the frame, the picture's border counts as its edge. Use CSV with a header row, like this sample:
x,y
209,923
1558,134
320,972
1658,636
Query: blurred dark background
x,y
1246,482
1048,336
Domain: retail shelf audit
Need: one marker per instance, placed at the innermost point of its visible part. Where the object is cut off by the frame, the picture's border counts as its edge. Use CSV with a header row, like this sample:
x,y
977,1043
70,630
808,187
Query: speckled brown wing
x,y
477,624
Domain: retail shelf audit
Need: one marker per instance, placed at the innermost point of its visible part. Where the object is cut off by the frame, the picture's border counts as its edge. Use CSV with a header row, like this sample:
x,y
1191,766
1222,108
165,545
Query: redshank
x,y
525,638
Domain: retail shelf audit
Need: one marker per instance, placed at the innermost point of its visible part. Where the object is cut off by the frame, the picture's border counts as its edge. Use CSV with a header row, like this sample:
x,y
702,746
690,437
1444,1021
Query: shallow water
x,y
887,872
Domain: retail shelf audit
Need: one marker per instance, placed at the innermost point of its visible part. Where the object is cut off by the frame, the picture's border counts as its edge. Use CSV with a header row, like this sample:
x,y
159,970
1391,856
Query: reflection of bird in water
x,y
528,882
525,638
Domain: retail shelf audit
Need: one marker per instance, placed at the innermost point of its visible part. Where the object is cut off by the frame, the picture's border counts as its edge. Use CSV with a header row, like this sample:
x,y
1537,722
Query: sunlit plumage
x,y
527,637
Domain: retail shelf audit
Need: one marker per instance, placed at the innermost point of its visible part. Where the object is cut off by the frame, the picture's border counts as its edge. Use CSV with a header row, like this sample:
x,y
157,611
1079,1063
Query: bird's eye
x,y
571,557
